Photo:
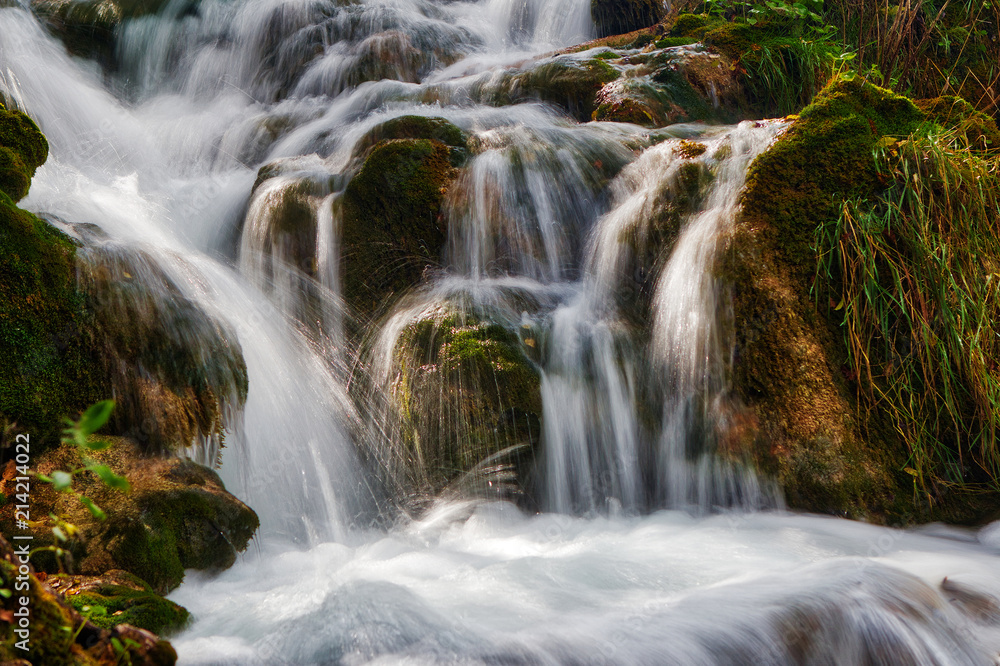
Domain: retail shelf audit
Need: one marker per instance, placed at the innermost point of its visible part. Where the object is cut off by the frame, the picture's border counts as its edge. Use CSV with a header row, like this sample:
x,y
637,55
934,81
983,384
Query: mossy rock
x,y
60,635
118,597
23,149
79,324
791,362
467,392
392,220
416,127
47,363
980,130
614,17
176,516
626,110
694,25
567,82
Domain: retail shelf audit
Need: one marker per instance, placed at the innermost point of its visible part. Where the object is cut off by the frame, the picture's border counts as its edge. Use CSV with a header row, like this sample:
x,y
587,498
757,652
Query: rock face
x,y
177,516
468,396
832,451
59,634
117,597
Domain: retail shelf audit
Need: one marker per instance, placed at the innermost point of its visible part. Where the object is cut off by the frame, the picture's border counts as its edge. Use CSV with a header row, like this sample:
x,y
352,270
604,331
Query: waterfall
x,y
594,514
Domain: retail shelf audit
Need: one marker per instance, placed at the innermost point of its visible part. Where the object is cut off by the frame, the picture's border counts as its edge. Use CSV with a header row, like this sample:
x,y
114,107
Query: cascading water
x,y
556,236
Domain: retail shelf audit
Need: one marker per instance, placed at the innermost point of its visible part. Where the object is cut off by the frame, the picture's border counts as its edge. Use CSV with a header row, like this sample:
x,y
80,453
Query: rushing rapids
x,y
223,144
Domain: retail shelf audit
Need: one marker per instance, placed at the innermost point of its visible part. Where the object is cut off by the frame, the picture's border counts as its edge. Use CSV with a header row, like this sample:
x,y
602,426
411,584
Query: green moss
x,y
468,392
23,149
52,625
110,605
614,17
46,366
392,229
417,127
825,157
625,111
694,25
571,84
979,129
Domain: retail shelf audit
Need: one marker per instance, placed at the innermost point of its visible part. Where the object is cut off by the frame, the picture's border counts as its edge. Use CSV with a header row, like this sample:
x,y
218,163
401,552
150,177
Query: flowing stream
x,y
651,547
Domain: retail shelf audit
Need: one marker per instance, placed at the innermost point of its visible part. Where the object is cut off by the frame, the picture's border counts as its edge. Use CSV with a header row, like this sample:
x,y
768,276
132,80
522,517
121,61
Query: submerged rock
x,y
176,516
59,634
470,401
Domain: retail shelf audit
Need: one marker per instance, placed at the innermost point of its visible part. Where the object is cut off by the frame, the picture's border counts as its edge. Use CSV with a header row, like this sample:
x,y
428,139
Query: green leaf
x,y
43,478
5,593
61,480
59,534
109,478
95,510
97,445
96,416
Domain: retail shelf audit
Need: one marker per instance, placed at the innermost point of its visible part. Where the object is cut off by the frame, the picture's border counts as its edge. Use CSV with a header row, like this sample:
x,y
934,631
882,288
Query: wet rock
x,y
470,401
392,224
177,516
88,27
23,149
82,320
59,634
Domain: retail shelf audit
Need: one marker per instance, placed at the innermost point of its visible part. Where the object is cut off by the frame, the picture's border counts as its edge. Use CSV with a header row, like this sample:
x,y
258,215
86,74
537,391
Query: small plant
x,y
77,433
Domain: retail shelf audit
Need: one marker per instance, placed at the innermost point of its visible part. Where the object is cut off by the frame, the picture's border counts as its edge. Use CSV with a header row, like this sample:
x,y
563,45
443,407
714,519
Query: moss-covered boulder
x,y
23,149
614,17
391,213
979,129
118,597
47,366
416,127
469,396
176,516
59,634
832,452
177,372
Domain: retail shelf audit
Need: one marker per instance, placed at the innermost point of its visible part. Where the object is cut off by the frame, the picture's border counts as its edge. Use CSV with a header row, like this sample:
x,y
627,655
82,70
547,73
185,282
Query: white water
x,y
167,162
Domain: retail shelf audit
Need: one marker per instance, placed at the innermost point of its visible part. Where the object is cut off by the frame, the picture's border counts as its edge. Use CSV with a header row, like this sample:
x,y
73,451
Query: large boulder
x,y
470,401
82,320
392,223
831,448
176,516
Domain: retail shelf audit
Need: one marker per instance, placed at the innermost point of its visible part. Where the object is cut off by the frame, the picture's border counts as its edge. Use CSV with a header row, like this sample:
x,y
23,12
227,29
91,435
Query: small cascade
x,y
688,342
